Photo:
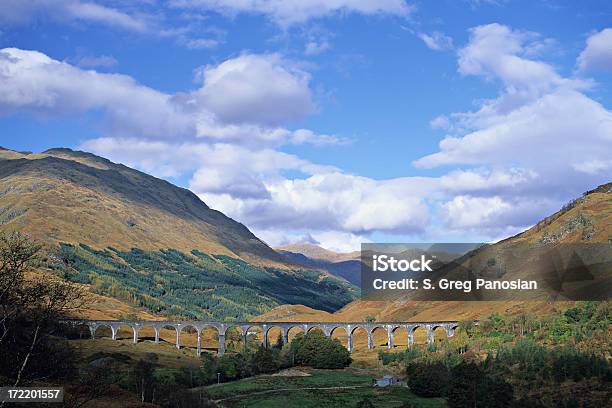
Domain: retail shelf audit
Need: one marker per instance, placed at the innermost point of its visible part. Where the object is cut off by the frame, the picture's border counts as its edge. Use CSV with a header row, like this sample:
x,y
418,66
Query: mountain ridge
x,y
317,252
349,270
126,207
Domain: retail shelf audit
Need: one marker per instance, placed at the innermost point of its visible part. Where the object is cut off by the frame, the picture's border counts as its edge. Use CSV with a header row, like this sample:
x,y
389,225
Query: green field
x,y
323,388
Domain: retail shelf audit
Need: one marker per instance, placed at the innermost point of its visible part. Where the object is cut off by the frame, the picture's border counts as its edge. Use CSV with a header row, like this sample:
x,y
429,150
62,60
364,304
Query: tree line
x,y
561,360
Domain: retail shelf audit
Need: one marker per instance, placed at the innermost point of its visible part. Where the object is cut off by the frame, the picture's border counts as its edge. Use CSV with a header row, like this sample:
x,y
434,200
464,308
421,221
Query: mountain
x,y
348,265
318,253
143,240
344,265
585,220
65,195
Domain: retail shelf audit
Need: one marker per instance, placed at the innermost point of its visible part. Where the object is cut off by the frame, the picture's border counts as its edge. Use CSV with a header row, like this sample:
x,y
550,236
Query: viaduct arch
x,y
222,327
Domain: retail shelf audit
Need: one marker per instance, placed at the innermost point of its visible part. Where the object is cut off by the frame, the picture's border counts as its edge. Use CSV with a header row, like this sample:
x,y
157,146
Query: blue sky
x,y
334,122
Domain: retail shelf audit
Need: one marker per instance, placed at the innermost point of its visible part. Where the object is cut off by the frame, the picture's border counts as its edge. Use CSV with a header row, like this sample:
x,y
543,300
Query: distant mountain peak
x,y
314,251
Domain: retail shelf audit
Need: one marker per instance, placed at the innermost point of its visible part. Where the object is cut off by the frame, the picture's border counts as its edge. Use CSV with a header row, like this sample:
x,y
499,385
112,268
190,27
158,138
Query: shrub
x,y
228,367
387,357
470,386
318,351
263,361
428,380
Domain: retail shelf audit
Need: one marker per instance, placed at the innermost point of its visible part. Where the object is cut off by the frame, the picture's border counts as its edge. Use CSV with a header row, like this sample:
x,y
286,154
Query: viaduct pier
x,y
245,328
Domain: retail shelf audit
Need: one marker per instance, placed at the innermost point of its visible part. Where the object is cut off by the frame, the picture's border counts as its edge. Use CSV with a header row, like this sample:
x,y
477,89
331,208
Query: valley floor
x,y
320,388
297,387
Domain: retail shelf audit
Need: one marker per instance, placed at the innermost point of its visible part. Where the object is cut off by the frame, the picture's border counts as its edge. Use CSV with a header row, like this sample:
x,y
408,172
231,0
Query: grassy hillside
x,y
64,195
197,285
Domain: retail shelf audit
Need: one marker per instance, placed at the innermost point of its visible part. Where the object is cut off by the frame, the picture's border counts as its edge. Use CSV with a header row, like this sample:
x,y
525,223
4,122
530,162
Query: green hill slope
x,y
147,242
63,195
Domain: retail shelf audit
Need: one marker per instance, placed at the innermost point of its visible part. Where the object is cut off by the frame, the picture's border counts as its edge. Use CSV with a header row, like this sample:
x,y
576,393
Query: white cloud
x,y
256,135
483,180
331,240
19,11
288,12
32,81
339,210
497,51
539,47
567,123
220,174
334,201
472,212
121,15
233,88
142,17
168,159
317,39
594,166
340,241
279,237
437,41
494,215
90,11
539,143
537,111
237,100
301,136
440,122
152,156
598,52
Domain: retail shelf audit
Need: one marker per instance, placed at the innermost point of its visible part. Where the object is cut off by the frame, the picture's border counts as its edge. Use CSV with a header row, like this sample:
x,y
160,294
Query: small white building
x,y
387,381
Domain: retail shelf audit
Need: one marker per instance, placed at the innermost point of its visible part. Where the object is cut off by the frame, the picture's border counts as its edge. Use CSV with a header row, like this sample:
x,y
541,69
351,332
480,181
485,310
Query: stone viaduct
x,y
246,327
